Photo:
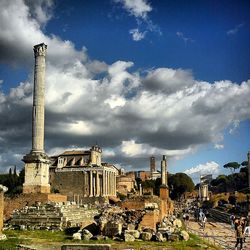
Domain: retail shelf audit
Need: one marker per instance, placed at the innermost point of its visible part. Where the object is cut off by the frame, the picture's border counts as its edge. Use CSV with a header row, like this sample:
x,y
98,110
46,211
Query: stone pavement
x,y
217,233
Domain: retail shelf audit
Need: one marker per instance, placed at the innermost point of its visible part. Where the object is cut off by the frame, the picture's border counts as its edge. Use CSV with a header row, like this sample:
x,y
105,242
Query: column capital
x,y
40,49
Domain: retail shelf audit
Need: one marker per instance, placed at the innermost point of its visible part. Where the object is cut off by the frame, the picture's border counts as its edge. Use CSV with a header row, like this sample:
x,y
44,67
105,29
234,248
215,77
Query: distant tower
x,y
248,156
152,164
37,162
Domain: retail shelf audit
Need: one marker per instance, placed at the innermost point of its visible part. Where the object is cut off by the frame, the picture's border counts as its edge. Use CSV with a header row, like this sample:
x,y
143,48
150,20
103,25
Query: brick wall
x,y
70,183
150,219
28,200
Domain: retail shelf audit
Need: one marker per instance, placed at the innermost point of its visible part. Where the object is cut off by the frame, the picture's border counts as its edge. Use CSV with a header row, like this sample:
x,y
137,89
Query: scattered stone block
x,y
113,228
129,238
86,235
77,236
184,235
177,223
173,237
146,236
135,233
159,237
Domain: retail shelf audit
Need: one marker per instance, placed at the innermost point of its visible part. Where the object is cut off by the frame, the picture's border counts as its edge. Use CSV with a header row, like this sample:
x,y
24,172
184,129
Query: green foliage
x,y
148,184
13,181
232,166
138,182
232,199
180,183
244,163
121,196
230,183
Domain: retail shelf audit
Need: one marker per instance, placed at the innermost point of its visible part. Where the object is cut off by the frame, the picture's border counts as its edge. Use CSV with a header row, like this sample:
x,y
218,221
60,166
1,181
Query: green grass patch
x,y
49,238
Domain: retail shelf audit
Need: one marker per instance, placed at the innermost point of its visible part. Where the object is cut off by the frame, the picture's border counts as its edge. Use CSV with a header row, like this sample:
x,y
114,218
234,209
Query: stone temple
x,y
82,174
72,173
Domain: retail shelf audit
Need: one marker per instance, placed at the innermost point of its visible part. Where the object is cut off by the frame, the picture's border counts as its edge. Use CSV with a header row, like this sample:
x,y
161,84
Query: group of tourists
x,y
241,229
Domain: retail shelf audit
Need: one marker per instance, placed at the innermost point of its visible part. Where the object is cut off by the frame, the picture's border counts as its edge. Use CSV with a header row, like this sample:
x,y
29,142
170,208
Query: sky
x,y
138,77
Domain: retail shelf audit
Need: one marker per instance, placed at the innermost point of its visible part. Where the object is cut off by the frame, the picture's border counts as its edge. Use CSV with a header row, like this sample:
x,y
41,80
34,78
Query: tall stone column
x,y
90,183
97,184
164,170
164,187
104,183
38,99
107,184
37,162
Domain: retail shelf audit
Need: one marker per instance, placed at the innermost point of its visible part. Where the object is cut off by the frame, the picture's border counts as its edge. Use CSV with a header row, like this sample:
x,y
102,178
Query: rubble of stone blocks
x,y
100,223
51,217
124,225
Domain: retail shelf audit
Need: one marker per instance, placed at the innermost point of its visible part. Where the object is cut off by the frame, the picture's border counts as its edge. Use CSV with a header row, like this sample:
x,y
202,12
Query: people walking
x,y
239,234
232,219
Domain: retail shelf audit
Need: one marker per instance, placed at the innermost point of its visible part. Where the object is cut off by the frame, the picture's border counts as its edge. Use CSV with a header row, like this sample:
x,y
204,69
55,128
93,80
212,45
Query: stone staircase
x,y
219,215
53,216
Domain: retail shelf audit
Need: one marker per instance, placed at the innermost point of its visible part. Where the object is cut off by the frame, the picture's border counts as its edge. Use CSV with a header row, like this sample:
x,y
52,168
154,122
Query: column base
x,y
164,194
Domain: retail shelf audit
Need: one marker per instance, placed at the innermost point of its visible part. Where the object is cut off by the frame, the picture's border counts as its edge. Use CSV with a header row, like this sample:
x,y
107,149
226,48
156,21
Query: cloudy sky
x,y
139,77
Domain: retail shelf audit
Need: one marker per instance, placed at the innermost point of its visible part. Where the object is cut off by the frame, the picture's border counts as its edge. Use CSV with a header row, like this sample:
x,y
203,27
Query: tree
x,y
244,164
181,183
232,166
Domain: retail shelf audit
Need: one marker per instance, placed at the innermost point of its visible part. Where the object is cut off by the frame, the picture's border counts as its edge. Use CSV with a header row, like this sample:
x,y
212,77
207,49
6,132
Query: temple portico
x,y
82,173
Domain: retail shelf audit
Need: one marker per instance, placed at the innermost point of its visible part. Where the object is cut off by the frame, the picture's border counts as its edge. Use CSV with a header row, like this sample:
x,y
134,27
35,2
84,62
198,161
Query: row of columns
x,y
102,183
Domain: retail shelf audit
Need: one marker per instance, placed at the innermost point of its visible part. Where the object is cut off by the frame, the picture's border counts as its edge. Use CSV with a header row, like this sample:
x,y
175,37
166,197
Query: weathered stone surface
x,y
86,235
146,236
77,236
159,237
184,235
131,227
3,237
129,238
177,223
53,216
135,233
173,237
113,228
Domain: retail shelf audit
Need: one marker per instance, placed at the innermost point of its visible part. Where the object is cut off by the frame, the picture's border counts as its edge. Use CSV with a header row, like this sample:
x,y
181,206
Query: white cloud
x,y
235,30
167,111
137,8
132,149
203,169
137,35
115,101
234,126
41,10
183,37
218,146
140,10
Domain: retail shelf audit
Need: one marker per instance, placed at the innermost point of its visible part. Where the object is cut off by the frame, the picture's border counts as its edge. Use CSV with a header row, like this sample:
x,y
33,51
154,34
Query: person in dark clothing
x,y
239,234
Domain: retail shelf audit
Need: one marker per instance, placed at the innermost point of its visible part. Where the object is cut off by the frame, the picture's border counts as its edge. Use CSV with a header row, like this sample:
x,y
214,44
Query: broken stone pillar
x,y
164,187
164,171
164,193
3,189
37,162
140,189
